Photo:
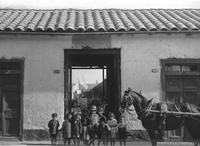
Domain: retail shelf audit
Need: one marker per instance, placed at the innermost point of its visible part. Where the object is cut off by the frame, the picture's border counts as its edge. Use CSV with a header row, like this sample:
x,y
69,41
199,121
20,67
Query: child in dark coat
x,y
104,130
66,129
76,129
85,131
53,128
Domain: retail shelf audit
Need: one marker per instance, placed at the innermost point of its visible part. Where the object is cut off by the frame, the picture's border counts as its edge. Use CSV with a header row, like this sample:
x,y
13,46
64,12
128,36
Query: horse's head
x,y
133,98
127,100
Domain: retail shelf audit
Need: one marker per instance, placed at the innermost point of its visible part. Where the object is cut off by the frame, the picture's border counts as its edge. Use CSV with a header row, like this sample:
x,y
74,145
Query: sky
x,y
99,4
87,75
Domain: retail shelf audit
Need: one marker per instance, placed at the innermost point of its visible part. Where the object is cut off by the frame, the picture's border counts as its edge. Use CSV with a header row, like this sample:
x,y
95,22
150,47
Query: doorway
x,y
92,75
11,97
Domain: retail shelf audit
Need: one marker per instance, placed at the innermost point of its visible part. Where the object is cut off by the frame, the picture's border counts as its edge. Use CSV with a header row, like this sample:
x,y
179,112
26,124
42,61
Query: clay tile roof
x,y
99,20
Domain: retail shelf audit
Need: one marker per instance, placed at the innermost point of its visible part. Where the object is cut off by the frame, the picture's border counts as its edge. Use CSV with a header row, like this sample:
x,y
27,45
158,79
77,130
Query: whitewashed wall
x,y
140,54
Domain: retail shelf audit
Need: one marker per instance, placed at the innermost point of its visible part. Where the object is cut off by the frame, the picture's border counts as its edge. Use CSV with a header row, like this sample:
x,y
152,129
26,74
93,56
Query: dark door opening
x,y
103,68
10,98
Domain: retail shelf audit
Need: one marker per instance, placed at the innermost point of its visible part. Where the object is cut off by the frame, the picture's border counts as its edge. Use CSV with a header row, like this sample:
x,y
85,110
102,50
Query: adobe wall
x,y
44,89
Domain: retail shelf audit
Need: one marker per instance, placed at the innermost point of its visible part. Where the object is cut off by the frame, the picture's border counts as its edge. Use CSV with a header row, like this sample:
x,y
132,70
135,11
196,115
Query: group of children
x,y
89,126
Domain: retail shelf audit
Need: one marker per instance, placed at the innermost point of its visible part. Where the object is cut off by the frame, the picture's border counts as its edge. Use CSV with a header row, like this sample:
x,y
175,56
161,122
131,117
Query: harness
x,y
144,112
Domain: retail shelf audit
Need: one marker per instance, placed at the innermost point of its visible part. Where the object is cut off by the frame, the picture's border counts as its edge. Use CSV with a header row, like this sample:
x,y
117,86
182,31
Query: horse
x,y
159,122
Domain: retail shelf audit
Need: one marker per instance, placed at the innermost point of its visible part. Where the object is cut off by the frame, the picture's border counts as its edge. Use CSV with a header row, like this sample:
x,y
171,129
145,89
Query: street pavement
x,y
129,143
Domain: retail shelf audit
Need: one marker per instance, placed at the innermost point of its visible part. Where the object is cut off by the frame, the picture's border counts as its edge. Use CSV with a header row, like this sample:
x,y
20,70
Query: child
x,y
53,128
100,113
85,132
112,122
93,124
76,129
66,129
104,129
122,131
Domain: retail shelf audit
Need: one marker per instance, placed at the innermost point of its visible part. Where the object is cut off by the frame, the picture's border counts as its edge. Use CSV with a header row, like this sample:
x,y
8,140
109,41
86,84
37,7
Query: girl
x,y
66,129
112,122
122,131
53,128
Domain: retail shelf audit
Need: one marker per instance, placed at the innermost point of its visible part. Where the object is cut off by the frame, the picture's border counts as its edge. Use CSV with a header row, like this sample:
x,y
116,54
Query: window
x,y
181,83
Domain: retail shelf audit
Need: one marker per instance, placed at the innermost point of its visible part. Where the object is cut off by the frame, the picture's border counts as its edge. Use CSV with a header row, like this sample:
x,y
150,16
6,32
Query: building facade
x,y
152,51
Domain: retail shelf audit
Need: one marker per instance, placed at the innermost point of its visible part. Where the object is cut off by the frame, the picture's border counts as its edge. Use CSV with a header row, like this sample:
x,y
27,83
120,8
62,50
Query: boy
x,y
53,128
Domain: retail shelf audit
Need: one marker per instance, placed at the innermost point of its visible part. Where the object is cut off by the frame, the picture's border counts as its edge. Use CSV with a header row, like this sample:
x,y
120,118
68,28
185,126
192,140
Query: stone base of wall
x,y
40,135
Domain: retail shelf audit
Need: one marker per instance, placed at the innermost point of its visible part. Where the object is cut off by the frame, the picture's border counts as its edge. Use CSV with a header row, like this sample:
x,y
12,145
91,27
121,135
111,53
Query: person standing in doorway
x,y
75,107
53,128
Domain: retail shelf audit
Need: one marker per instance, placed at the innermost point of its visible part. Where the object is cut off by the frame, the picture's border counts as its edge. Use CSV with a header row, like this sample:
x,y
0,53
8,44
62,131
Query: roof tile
x,y
62,20
101,20
81,22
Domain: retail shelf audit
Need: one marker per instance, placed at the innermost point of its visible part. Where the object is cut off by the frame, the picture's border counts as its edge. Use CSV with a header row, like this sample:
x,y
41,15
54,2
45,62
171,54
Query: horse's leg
x,y
152,136
161,134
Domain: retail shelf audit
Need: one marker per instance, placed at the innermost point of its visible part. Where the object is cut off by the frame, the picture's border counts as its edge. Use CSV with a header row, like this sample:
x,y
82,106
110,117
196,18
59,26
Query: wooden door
x,y
191,94
11,104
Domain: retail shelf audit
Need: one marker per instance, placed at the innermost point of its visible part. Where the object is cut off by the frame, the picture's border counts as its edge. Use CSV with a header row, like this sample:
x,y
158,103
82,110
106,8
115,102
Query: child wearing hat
x,y
93,124
53,128
112,122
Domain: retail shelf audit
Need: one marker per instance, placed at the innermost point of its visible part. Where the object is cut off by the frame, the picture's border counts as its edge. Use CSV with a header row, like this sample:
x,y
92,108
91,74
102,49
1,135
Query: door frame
x,y
68,53
21,61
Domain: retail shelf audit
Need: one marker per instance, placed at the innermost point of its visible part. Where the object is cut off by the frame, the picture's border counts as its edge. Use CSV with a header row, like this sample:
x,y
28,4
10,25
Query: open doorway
x,y
88,85
92,75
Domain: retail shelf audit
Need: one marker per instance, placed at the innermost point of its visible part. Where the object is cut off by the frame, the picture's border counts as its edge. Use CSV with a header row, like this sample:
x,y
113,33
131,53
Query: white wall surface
x,y
44,90
141,53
